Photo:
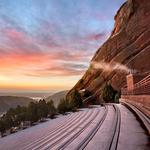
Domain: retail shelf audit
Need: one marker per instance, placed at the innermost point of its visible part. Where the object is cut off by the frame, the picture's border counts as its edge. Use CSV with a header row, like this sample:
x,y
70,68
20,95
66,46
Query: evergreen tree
x,y
8,121
70,105
108,93
76,98
22,116
2,127
51,108
12,112
62,106
117,96
42,109
32,112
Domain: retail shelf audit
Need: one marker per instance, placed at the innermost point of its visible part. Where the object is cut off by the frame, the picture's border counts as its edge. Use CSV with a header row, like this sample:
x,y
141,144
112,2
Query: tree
x,y
42,109
62,106
51,108
2,128
11,112
20,114
23,115
18,109
117,96
108,93
32,112
76,98
70,105
8,121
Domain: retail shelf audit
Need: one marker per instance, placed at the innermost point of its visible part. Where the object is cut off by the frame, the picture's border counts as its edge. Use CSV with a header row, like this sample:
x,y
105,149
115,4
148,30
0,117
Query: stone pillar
x,y
130,82
133,79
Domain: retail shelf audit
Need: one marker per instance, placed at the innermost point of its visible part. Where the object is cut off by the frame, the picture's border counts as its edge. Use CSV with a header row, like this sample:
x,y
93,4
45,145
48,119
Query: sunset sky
x,y
46,45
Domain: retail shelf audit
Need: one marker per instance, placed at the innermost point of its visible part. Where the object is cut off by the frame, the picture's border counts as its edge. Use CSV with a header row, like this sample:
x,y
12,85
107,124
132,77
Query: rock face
x,y
129,45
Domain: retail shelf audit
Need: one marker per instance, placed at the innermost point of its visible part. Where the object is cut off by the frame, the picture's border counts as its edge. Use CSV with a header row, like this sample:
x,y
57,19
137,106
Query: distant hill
x,y
56,97
27,94
7,102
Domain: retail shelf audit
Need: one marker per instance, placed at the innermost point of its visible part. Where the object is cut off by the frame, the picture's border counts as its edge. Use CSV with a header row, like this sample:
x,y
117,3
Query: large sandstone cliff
x,y
129,44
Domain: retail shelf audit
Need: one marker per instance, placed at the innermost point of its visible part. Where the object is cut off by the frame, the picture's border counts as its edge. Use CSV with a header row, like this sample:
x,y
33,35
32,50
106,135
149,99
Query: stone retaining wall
x,y
140,101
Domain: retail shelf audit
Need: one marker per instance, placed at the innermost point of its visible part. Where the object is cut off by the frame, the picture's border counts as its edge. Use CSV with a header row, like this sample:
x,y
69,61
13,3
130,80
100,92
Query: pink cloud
x,y
19,41
14,35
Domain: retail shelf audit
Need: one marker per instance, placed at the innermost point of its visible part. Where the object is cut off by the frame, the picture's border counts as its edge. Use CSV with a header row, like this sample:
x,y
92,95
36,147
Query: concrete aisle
x,y
132,135
99,141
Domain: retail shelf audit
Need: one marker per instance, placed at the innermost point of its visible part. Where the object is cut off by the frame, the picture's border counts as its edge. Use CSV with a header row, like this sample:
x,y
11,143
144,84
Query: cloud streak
x,y
43,65
108,67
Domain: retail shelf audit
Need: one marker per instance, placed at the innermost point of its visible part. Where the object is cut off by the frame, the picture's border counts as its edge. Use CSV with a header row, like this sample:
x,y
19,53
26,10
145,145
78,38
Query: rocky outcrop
x,y
129,44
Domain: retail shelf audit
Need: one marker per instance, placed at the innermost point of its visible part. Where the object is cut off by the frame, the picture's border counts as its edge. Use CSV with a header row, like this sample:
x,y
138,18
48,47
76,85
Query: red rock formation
x,y
129,44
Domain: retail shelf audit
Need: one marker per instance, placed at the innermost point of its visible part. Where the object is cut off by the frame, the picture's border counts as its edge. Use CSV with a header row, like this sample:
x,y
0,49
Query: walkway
x,y
98,128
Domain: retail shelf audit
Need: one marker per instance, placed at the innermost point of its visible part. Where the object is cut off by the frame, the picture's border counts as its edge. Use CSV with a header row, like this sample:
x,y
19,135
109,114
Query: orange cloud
x,y
42,64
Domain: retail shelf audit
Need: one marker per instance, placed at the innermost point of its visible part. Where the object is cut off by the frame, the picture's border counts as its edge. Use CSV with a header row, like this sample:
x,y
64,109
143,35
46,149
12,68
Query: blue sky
x,y
42,41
